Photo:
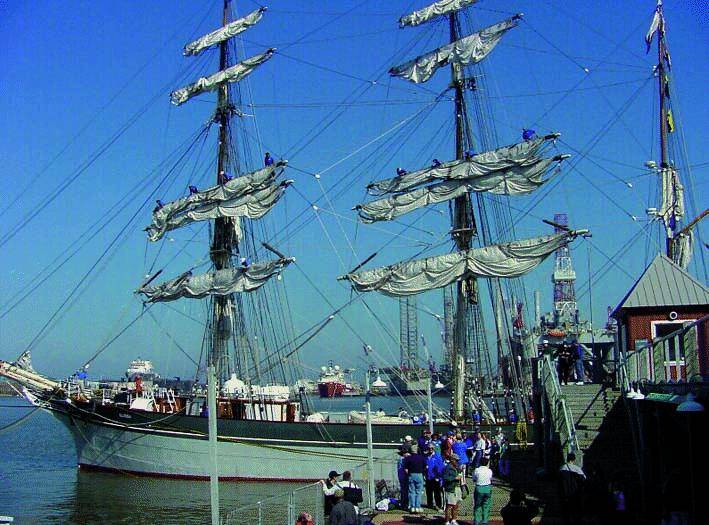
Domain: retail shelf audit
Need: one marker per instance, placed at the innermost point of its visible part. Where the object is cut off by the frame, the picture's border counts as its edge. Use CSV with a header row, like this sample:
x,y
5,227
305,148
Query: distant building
x,y
664,300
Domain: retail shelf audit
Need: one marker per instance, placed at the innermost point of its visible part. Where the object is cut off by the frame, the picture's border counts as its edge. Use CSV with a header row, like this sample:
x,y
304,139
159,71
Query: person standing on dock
x,y
578,354
329,487
415,467
459,449
403,478
571,488
482,476
434,472
452,479
564,366
343,512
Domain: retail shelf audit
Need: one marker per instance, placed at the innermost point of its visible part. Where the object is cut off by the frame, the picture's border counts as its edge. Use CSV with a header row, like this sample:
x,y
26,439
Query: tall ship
x,y
262,429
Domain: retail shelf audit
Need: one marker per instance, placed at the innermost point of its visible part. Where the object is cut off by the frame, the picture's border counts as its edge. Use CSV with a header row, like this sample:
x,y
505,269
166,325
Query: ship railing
x,y
560,414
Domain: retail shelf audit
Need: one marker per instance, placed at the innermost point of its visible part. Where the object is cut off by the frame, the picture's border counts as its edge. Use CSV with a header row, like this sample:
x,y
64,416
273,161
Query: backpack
x,y
353,495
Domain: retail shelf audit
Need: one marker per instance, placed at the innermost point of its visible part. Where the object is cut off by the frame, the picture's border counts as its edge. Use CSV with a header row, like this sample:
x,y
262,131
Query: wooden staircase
x,y
602,428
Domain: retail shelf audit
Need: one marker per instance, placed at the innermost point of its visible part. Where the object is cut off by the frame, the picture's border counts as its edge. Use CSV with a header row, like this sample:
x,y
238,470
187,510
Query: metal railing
x,y
560,414
284,508
281,509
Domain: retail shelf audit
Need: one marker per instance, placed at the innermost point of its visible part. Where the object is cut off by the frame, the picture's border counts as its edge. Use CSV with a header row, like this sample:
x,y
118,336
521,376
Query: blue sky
x,y
77,76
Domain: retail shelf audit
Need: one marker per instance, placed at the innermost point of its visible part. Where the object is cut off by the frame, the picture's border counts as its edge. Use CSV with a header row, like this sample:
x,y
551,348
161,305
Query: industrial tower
x,y
565,307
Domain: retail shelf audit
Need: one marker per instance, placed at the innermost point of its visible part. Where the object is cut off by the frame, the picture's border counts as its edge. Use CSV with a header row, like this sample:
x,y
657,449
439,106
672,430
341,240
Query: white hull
x,y
181,455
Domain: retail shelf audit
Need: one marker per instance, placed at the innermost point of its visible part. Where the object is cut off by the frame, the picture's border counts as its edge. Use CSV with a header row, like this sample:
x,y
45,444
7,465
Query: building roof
x,y
663,283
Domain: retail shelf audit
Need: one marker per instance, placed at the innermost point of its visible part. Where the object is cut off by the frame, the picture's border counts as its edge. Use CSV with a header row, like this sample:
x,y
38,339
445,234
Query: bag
x,y
353,495
464,491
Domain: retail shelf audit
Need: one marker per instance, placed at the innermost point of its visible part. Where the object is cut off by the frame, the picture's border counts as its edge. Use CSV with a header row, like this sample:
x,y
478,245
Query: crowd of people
x,y
570,363
442,466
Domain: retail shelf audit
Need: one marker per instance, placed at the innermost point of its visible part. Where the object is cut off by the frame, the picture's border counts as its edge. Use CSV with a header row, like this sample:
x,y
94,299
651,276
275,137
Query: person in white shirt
x,y
479,450
482,477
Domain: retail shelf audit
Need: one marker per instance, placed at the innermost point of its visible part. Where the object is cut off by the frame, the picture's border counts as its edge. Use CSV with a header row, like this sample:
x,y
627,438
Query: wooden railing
x,y
647,362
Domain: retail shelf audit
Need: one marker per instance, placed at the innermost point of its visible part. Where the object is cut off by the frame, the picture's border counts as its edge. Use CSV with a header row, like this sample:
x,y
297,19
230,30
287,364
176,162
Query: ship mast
x,y
462,233
661,83
223,237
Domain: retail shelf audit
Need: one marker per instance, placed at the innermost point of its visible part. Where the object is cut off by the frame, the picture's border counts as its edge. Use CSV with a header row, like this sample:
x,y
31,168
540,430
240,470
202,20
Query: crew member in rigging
x,y
528,134
158,205
267,160
401,171
193,190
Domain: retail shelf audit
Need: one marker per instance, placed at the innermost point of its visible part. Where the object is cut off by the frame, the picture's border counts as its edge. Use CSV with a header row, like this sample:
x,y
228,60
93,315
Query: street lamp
x,y
691,406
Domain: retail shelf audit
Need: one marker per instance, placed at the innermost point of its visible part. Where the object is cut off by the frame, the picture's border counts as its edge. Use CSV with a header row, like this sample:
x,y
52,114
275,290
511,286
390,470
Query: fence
x,y
283,509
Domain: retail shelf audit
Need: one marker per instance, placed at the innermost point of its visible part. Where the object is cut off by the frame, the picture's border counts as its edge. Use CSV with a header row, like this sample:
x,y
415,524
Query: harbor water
x,y
41,483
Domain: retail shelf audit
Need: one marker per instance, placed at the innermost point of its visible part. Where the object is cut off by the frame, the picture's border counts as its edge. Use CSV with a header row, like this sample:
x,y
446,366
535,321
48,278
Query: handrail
x,y
625,355
561,415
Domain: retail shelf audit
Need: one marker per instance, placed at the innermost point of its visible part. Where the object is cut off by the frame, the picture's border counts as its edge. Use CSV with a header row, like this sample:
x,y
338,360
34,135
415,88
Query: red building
x,y
663,328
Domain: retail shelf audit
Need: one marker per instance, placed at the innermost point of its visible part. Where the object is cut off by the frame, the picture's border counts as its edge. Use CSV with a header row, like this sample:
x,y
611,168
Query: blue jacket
x,y
461,449
434,466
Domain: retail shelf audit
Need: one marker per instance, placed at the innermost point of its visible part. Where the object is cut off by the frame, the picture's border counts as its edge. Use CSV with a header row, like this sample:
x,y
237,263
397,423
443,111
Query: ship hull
x,y
178,447
331,389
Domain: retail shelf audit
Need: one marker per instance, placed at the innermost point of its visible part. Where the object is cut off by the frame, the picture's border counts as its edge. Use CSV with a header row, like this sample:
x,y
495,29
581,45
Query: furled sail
x,y
228,196
219,282
672,206
253,205
484,163
440,8
517,180
500,260
469,50
224,33
235,73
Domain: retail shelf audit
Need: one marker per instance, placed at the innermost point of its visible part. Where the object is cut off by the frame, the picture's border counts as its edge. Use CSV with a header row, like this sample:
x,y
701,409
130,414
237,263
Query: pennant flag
x,y
670,121
654,26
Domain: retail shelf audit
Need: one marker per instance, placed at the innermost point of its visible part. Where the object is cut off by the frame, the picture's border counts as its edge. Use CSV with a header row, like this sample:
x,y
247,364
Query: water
x,y
40,482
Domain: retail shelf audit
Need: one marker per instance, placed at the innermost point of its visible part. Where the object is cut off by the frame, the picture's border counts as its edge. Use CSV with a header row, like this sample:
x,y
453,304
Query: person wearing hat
x,y
329,487
452,479
343,512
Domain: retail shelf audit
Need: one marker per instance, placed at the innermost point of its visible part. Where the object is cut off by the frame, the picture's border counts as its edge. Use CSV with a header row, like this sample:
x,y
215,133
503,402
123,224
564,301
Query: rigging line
x,y
372,227
95,115
583,78
36,210
103,347
595,87
596,276
58,190
326,104
113,242
591,28
322,26
317,327
539,197
305,210
557,48
93,229
164,331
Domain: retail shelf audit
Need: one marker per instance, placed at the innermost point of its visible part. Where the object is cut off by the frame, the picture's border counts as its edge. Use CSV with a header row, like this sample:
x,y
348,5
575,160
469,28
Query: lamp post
x,y
689,407
370,445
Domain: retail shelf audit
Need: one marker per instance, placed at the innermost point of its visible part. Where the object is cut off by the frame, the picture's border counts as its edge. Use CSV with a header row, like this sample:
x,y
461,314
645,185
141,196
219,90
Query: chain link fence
x,y
284,508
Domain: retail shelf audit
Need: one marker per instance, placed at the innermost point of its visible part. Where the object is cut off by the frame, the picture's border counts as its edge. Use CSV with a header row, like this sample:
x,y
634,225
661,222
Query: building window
x,y
674,345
